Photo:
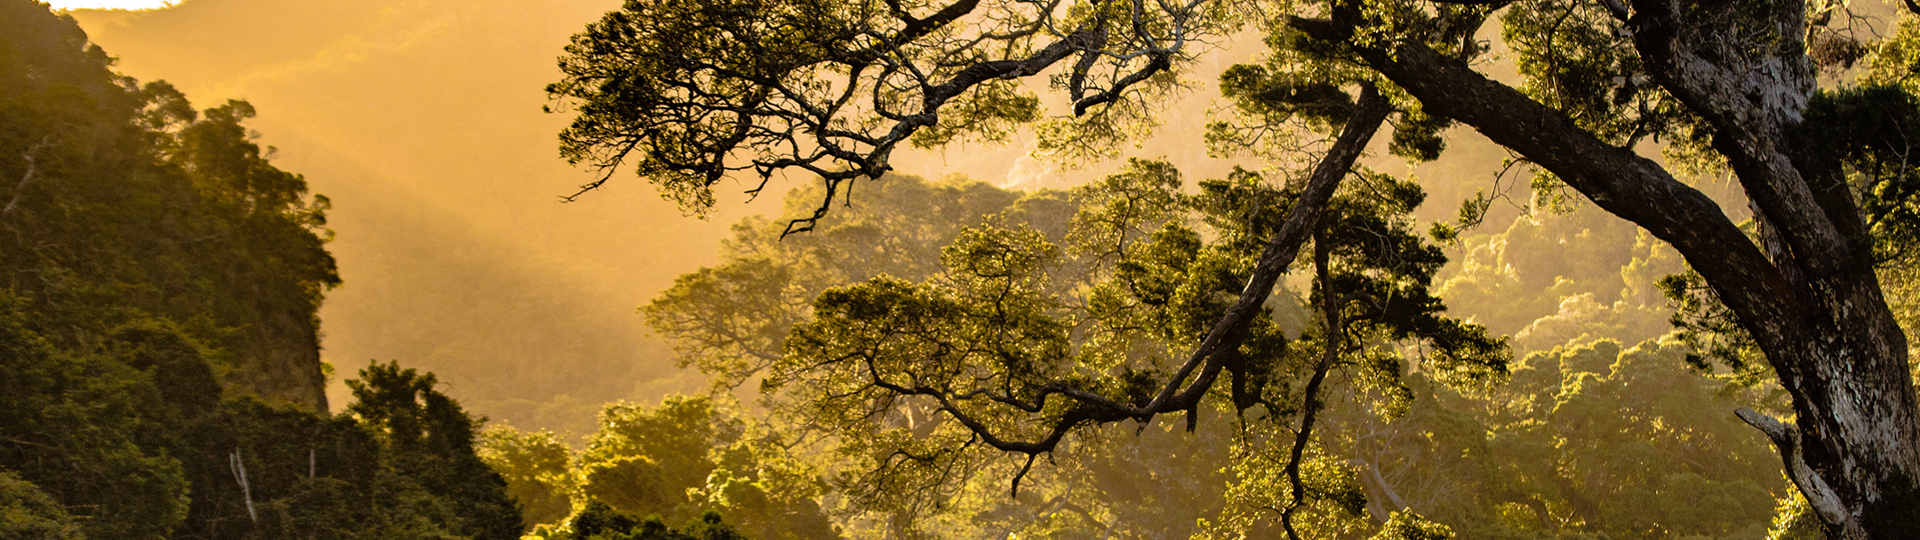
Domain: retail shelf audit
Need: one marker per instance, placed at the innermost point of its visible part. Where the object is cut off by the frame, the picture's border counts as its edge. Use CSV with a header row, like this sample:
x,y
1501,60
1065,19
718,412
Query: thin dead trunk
x,y
33,168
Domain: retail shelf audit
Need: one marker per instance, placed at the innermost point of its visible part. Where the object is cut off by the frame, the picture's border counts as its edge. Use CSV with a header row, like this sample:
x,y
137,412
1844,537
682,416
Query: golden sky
x,y
109,4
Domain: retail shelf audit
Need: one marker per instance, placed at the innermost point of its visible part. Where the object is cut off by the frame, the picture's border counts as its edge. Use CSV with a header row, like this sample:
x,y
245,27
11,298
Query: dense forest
x,y
1677,307
1580,437
158,343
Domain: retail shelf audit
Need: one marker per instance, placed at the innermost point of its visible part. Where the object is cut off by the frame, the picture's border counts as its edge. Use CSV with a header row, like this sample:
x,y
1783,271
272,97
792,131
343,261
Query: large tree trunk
x,y
1808,294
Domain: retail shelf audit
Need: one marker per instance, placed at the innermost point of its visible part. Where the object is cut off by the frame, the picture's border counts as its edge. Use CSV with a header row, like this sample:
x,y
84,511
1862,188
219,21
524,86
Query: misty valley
x,y
959,269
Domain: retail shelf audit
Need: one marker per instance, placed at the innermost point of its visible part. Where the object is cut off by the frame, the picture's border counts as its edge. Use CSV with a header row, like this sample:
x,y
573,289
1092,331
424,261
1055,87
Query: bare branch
x,y
1787,439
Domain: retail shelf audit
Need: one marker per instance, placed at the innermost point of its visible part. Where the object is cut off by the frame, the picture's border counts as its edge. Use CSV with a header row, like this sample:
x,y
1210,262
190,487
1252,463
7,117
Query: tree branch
x,y
700,93
1786,438
1332,340
1752,95
1185,389
1623,183
1369,112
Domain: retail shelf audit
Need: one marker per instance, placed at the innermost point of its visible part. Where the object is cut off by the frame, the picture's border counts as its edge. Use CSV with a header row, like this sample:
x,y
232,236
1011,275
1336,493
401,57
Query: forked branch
x,y
1184,390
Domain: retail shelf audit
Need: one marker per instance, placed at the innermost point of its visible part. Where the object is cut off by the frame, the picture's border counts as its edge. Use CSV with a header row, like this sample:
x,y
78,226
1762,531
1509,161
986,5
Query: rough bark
x,y
1812,302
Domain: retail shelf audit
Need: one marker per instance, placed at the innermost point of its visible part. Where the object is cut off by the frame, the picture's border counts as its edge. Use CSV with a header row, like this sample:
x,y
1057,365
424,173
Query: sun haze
x,y
110,4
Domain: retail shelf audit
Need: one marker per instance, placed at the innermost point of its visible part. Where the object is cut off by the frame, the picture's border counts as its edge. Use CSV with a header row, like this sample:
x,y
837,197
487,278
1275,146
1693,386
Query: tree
x,y
535,468
1130,486
766,86
691,91
693,456
1806,291
732,319
686,460
429,461
601,522
1647,448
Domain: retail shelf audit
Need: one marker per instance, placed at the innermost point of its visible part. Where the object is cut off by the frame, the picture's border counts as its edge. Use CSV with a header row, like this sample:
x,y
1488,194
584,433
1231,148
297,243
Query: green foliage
x,y
1417,136
1626,444
1261,92
1300,84
690,459
1895,59
429,443
988,113
602,522
1410,526
28,512
1856,141
160,451
1585,440
629,70
907,374
692,456
1577,58
1550,279
122,202
1021,338
157,330
535,466
1793,520
72,424
730,319
690,92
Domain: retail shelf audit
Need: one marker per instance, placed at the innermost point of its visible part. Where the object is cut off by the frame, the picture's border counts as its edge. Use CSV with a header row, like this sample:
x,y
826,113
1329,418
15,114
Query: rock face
x,y
282,362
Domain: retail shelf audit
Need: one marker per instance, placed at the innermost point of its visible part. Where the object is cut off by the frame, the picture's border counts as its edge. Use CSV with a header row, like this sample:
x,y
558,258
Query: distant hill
x,y
422,121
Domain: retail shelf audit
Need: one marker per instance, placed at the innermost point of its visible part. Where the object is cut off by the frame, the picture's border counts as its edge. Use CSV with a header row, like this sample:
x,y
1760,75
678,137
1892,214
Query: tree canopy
x,y
158,340
690,93
1584,437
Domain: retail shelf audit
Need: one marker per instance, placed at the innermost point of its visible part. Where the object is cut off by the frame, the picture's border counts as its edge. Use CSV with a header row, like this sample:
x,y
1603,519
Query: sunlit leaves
x,y
1406,525
1860,140
535,466
1605,435
1120,208
731,319
924,380
694,455
1576,57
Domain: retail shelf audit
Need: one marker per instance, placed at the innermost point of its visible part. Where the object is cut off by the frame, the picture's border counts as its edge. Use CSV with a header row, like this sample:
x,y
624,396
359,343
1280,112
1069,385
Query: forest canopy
x,y
158,339
1019,340
1676,307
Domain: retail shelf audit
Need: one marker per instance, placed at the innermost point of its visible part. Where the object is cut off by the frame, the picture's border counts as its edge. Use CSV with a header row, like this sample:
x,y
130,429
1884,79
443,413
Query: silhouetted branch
x,y
690,93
